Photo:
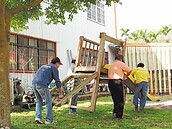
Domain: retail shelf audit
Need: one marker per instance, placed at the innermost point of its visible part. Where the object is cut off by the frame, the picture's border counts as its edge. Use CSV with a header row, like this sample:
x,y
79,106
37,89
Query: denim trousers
x,y
41,94
140,88
73,103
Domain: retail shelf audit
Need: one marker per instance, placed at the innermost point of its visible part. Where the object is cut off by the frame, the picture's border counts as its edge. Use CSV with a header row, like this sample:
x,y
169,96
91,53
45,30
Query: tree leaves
x,y
55,12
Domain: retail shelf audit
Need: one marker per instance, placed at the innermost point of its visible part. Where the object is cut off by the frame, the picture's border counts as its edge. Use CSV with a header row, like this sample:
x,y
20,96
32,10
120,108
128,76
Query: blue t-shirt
x,y
45,75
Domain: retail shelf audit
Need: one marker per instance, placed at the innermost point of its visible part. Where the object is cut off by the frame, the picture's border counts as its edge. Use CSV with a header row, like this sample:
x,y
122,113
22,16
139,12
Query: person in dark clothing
x,y
40,83
116,87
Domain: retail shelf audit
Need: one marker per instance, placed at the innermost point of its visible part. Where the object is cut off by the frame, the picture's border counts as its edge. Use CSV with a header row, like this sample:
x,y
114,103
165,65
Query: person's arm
x,y
58,82
127,70
128,73
60,93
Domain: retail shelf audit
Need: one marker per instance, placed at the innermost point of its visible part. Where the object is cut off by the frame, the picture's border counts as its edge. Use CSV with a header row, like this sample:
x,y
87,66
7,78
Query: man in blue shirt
x,y
41,81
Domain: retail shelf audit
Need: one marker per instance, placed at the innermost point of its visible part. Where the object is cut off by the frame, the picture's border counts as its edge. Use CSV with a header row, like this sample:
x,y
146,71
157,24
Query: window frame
x,y
15,46
94,15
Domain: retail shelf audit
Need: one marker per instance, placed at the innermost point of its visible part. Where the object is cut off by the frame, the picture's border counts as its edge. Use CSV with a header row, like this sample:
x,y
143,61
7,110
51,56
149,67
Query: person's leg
x,y
74,103
119,98
45,93
136,95
39,101
112,92
144,95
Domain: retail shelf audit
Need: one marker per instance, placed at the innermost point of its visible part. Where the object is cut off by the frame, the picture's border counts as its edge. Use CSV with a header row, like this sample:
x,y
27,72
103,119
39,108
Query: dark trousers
x,y
117,91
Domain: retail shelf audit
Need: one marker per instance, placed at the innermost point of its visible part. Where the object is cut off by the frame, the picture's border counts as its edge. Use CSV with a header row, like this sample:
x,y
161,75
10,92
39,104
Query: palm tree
x,y
165,31
134,36
153,36
125,33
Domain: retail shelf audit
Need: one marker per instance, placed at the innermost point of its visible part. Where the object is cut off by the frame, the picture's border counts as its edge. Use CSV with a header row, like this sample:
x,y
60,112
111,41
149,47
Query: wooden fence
x,y
158,61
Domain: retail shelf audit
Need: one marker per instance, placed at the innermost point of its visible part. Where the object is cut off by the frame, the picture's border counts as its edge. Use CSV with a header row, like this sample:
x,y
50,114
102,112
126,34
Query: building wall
x,y
67,36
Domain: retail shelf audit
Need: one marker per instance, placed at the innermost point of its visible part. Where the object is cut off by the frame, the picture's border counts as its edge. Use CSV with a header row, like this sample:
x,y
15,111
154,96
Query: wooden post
x,y
169,73
98,68
92,56
79,51
88,56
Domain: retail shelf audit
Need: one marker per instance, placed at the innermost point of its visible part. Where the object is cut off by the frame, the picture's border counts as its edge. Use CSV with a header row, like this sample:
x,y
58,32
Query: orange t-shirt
x,y
117,69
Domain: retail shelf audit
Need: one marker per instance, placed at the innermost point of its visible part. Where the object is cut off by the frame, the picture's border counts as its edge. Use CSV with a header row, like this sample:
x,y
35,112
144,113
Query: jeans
x,y
143,88
74,103
43,94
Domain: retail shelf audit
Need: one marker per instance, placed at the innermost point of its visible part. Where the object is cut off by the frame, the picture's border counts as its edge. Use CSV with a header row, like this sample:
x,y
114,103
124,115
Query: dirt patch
x,y
163,104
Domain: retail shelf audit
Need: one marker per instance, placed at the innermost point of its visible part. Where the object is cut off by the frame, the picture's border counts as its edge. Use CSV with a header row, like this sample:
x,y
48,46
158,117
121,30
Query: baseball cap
x,y
56,60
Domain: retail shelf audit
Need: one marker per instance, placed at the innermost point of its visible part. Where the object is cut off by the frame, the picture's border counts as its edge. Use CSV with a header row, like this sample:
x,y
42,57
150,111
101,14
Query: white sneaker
x,y
38,121
52,122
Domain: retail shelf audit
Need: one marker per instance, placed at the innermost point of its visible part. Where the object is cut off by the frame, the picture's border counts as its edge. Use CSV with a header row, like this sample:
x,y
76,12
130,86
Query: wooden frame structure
x,y
89,66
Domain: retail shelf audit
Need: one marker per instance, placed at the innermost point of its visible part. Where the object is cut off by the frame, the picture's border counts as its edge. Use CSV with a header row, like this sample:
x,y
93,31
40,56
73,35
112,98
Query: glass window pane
x,y
13,39
33,59
33,42
43,58
23,58
42,44
51,55
23,40
50,46
13,57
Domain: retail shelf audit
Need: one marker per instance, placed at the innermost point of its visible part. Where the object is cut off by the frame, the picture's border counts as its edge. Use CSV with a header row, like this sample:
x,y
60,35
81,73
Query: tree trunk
x,y
4,85
5,120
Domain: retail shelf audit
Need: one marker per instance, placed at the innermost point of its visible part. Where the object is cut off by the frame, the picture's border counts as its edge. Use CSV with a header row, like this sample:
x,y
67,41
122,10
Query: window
x,y
96,13
28,54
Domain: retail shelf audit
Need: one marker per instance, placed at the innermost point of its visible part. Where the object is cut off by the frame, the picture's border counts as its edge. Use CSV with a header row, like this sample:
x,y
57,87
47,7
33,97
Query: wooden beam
x,y
79,50
75,90
98,68
149,44
64,81
113,40
85,69
91,41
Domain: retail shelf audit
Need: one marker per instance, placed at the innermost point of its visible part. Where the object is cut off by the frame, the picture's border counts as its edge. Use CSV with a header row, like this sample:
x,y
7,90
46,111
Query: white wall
x,y
67,36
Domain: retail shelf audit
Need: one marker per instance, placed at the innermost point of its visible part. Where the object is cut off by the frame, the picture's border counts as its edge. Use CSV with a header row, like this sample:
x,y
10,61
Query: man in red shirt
x,y
116,76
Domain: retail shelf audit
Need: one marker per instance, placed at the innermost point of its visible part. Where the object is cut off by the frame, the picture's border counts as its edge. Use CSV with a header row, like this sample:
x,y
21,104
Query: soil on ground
x,y
163,104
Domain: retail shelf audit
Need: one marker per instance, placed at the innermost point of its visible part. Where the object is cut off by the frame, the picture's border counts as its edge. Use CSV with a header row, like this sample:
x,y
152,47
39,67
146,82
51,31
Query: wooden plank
x,y
168,71
134,57
130,57
98,68
149,44
91,41
138,55
96,56
63,82
75,90
155,69
126,57
123,48
79,51
150,69
163,54
85,69
84,54
159,69
113,40
92,55
81,75
88,55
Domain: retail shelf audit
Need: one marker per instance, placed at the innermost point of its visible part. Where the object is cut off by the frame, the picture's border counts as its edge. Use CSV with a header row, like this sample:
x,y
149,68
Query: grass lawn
x,y
101,119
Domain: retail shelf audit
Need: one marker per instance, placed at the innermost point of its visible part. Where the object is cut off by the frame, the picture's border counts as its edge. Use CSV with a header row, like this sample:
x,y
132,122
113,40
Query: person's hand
x,y
61,96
